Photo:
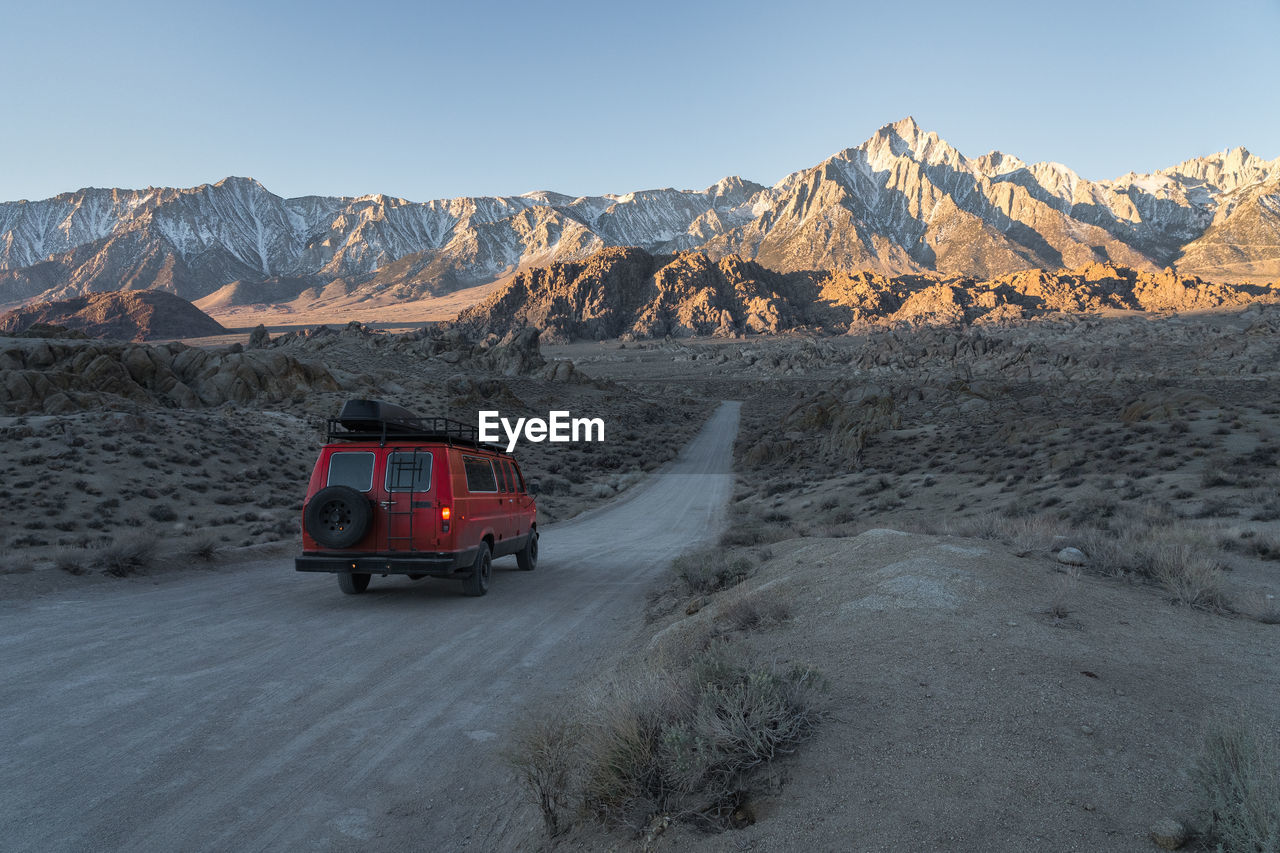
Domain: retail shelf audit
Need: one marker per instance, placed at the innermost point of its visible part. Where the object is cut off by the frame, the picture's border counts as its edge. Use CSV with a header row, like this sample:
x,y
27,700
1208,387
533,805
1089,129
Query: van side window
x,y
504,482
479,474
408,472
517,478
351,468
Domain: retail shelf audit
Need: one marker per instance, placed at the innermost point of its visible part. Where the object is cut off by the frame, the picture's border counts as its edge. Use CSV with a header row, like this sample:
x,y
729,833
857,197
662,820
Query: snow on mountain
x,y
903,201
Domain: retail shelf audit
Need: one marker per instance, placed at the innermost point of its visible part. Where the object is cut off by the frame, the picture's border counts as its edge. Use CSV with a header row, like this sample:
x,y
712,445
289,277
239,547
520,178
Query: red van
x,y
394,494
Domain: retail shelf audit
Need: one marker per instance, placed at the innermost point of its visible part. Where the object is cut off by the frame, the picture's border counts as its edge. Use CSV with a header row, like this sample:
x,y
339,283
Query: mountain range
x,y
903,202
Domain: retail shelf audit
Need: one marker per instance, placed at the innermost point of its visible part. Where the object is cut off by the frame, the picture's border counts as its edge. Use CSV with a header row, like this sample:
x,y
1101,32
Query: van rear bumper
x,y
423,563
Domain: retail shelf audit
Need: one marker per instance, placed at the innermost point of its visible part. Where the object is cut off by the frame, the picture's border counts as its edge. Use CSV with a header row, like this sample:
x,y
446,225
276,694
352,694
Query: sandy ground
x,y
258,708
964,716
383,314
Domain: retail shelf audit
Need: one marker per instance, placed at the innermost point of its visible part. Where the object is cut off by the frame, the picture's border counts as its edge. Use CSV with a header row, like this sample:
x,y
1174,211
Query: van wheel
x,y
527,557
353,583
416,577
478,583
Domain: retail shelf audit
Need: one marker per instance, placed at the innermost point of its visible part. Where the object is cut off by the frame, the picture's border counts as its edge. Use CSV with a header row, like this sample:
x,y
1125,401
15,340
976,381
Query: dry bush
x,y
162,513
1148,542
756,533
709,570
1108,553
757,609
1191,576
71,560
203,548
1238,777
544,759
127,556
1025,533
681,744
1064,594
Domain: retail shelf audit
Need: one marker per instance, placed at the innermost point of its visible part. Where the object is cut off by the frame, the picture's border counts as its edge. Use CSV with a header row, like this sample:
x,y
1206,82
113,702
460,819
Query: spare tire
x,y
337,517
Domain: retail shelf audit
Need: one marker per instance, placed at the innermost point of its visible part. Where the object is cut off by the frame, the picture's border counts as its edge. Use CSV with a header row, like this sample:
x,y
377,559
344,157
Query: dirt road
x,y
260,709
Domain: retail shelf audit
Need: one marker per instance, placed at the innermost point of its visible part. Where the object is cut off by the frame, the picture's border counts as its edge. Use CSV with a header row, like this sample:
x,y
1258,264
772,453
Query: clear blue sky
x,y
426,100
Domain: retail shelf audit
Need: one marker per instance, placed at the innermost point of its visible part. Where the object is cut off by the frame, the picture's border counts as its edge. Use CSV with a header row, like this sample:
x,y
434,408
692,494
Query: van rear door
x,y
408,499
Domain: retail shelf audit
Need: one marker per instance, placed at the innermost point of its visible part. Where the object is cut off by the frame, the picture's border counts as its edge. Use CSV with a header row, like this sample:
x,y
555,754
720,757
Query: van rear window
x,y
351,468
408,472
479,474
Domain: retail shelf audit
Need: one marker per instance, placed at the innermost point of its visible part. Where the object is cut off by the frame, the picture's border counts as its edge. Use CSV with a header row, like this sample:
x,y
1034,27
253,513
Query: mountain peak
x,y
905,138
907,126
238,181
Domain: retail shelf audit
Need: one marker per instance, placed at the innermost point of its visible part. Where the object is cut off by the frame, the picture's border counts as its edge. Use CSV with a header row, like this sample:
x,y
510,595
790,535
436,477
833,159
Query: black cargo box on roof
x,y
375,416
374,420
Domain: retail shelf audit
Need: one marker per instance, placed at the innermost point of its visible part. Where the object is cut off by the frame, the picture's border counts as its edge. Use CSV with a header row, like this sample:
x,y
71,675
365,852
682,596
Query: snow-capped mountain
x,y
903,201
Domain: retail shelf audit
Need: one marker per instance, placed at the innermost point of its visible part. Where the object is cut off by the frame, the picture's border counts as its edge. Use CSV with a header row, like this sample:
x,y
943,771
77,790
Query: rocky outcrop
x,y
56,376
135,315
629,293
632,294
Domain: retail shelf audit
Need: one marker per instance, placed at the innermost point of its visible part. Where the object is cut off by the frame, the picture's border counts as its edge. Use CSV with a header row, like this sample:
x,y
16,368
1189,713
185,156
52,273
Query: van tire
x,y
337,517
527,557
353,583
481,572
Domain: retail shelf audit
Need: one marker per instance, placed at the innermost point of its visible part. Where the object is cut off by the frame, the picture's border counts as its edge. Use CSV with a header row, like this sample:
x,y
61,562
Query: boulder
x,y
1072,557
1169,834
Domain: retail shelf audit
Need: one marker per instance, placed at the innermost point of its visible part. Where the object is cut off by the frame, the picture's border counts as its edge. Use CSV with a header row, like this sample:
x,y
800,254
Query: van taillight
x,y
445,514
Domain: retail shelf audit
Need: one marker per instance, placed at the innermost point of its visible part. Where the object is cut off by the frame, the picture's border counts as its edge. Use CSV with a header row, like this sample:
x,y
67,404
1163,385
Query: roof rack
x,y
373,420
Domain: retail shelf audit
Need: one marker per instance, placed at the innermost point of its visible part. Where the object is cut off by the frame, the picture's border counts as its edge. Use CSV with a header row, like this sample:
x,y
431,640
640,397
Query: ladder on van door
x,y
404,469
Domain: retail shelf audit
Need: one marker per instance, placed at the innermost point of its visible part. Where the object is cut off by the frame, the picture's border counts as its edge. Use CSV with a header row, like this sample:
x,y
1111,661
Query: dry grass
x,y
543,758
1238,776
1027,534
127,556
709,570
1148,542
1190,575
757,609
203,549
679,742
71,560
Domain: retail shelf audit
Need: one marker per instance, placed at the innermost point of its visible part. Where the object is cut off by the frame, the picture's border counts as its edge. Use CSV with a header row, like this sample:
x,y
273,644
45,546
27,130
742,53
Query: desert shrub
x,y
1092,508
755,532
1145,543
758,609
681,743
1026,533
552,485
127,556
544,759
1265,546
1214,475
162,513
70,560
710,569
1238,777
203,548
1189,574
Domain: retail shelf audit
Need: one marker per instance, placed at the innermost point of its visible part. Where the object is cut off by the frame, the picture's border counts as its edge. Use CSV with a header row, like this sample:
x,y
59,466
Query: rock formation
x,y
630,293
134,315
